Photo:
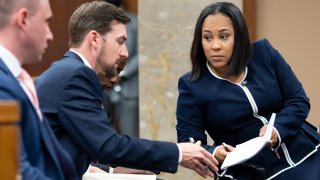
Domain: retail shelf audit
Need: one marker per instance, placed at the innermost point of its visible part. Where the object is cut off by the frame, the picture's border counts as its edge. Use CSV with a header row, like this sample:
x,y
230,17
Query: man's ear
x,y
94,38
21,19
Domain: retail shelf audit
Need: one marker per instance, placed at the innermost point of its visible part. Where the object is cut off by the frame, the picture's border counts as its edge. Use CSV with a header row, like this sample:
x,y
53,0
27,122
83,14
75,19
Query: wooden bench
x,y
9,140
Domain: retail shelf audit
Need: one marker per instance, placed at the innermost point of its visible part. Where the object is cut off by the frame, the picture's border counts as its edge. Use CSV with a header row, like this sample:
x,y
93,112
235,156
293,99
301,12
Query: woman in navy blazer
x,y
231,92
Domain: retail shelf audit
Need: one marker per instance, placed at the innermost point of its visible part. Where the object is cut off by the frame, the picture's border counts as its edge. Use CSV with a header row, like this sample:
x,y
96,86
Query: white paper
x,y
248,149
108,176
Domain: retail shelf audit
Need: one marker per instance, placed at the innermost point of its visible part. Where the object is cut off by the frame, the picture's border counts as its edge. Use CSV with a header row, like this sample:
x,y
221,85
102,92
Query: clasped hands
x,y
196,158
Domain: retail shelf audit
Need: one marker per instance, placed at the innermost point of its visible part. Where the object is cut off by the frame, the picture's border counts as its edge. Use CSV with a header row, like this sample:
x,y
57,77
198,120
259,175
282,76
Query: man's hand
x,y
198,159
121,170
124,170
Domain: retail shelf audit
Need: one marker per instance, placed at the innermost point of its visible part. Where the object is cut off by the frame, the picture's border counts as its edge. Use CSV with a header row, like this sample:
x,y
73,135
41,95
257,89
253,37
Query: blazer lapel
x,y
16,85
24,97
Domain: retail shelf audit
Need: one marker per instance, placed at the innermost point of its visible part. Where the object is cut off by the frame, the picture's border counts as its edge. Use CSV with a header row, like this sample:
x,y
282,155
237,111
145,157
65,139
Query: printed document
x,y
248,149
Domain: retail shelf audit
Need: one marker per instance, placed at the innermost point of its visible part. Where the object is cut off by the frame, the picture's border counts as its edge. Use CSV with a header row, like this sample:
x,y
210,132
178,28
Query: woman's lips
x,y
217,58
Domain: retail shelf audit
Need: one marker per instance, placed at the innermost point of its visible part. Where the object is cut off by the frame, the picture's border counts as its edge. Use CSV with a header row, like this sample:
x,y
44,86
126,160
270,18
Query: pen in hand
x,y
191,140
225,147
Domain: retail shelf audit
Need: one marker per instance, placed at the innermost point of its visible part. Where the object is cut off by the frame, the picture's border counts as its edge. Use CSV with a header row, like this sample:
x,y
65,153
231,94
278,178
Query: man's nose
x,y
124,52
49,34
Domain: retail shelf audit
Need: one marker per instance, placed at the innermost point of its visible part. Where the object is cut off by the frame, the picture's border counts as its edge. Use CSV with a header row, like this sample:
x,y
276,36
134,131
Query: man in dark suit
x,y
24,34
70,97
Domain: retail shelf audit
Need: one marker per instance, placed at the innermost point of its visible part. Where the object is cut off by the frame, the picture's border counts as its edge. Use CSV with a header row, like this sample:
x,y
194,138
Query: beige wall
x,y
165,35
293,27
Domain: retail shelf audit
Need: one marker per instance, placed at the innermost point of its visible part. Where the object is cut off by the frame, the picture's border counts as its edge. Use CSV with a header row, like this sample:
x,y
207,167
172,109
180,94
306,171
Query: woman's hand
x,y
274,137
222,151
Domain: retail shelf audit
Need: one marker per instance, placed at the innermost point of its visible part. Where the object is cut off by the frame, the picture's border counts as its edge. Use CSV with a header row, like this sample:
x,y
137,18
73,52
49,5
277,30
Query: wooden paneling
x,y
9,140
131,5
62,10
249,12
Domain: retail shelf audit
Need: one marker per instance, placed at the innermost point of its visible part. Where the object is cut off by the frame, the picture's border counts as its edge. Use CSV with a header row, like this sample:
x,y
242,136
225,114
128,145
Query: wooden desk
x,y
9,139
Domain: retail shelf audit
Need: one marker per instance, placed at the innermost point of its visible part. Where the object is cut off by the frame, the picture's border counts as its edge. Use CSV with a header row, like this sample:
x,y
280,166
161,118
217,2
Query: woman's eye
x,y
224,37
208,38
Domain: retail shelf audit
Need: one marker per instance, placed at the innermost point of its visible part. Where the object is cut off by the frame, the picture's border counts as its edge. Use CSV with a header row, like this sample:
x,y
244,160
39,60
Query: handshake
x,y
196,158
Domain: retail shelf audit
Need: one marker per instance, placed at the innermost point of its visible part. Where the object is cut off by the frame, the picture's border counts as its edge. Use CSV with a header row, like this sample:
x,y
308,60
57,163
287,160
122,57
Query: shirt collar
x,y
84,60
10,61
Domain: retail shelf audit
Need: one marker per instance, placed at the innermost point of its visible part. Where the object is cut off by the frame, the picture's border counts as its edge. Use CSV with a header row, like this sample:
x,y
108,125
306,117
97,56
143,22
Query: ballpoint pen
x,y
225,147
191,140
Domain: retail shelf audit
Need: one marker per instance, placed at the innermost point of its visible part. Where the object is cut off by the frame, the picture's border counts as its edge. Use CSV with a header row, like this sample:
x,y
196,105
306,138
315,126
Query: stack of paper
x,y
107,176
249,148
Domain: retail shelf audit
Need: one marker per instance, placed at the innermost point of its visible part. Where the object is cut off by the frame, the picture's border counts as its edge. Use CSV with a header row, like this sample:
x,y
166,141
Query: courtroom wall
x,y
293,27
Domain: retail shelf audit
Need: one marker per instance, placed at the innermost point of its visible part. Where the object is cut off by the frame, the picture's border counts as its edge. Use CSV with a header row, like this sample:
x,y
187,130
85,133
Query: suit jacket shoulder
x,y
37,160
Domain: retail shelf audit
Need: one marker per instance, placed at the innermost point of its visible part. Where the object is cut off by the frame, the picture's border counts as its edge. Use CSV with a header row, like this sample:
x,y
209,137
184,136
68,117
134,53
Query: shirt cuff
x,y
180,154
214,151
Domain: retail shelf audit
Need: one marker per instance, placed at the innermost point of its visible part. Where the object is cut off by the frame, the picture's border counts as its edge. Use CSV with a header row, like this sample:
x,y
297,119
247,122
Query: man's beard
x,y
105,78
110,72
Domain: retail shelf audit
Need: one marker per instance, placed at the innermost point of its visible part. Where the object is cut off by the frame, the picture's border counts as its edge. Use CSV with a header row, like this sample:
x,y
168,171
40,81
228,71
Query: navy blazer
x,y
70,97
41,156
234,112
